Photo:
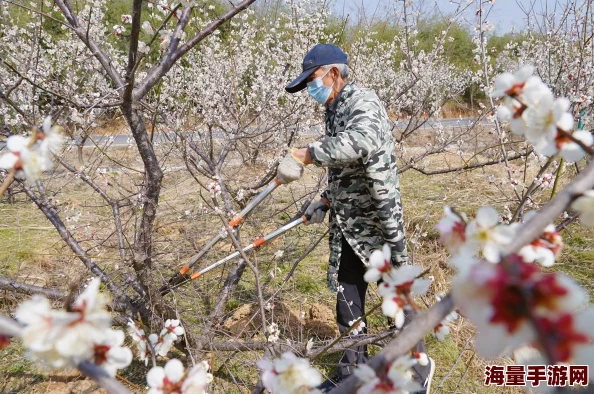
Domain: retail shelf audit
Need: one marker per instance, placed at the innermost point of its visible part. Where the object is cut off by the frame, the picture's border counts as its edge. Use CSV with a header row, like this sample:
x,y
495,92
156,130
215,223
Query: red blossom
x,y
405,287
170,387
101,353
510,307
516,89
4,341
459,229
519,288
561,335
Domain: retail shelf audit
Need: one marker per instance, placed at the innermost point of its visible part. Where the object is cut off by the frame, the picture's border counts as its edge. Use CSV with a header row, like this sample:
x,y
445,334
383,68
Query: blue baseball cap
x,y
320,55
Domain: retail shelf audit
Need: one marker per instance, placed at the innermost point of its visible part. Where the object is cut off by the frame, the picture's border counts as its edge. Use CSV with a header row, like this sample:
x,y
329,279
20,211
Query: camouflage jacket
x,y
363,189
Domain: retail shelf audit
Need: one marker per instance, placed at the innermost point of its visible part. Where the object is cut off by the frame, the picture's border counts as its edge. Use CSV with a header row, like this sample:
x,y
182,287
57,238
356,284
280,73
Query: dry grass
x,y
33,253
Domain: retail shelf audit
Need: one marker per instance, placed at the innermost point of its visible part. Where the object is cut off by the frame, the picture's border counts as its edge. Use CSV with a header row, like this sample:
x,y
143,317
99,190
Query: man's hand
x,y
316,212
289,169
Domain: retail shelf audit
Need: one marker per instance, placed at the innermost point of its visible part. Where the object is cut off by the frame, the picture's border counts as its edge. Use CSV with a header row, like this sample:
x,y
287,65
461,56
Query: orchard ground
x,y
32,252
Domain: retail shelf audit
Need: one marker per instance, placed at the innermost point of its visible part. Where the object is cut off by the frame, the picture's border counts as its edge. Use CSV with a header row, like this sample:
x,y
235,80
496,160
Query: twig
x,y
345,333
10,327
447,375
410,335
111,385
12,285
465,372
7,181
557,177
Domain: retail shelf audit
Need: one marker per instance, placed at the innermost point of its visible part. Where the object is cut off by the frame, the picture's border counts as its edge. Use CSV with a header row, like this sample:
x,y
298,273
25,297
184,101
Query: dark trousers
x,y
350,305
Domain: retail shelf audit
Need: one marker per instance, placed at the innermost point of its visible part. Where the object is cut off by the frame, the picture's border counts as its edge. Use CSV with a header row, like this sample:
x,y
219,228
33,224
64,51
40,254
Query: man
x,y
363,191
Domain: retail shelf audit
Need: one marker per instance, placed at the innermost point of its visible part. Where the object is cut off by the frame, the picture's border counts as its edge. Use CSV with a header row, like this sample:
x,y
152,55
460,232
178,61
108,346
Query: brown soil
x,y
86,386
318,321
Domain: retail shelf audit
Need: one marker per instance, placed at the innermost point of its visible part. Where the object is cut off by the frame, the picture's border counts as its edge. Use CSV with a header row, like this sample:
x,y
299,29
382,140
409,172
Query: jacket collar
x,y
342,96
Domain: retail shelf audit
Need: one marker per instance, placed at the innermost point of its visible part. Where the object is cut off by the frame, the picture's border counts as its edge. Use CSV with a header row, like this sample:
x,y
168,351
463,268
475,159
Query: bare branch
x,y
111,385
49,213
461,168
410,335
10,327
551,211
12,285
95,49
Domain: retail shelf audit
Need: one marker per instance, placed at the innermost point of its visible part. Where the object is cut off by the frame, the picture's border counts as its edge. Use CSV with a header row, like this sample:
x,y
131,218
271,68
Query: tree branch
x,y
12,285
410,335
95,49
119,294
155,74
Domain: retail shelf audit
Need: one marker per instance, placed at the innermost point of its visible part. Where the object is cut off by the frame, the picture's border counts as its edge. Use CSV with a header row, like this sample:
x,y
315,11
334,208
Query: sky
x,y
505,14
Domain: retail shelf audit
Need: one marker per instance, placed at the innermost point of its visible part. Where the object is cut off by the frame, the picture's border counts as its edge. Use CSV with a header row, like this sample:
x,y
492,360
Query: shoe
x,y
427,384
329,384
425,371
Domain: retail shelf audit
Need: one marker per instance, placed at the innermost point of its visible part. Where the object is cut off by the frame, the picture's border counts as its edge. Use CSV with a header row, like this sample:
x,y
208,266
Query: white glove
x,y
316,212
289,169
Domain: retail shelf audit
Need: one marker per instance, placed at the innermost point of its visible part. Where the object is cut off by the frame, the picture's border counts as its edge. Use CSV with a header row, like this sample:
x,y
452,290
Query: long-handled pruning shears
x,y
182,276
257,243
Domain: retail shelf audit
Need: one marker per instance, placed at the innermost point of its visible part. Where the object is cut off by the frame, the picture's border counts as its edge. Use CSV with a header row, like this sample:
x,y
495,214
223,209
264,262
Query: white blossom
x,y
163,6
452,230
138,335
568,149
109,354
61,337
273,332
358,329
585,206
380,264
118,30
485,234
508,83
400,284
143,48
31,158
172,330
289,374
174,379
147,28
398,380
